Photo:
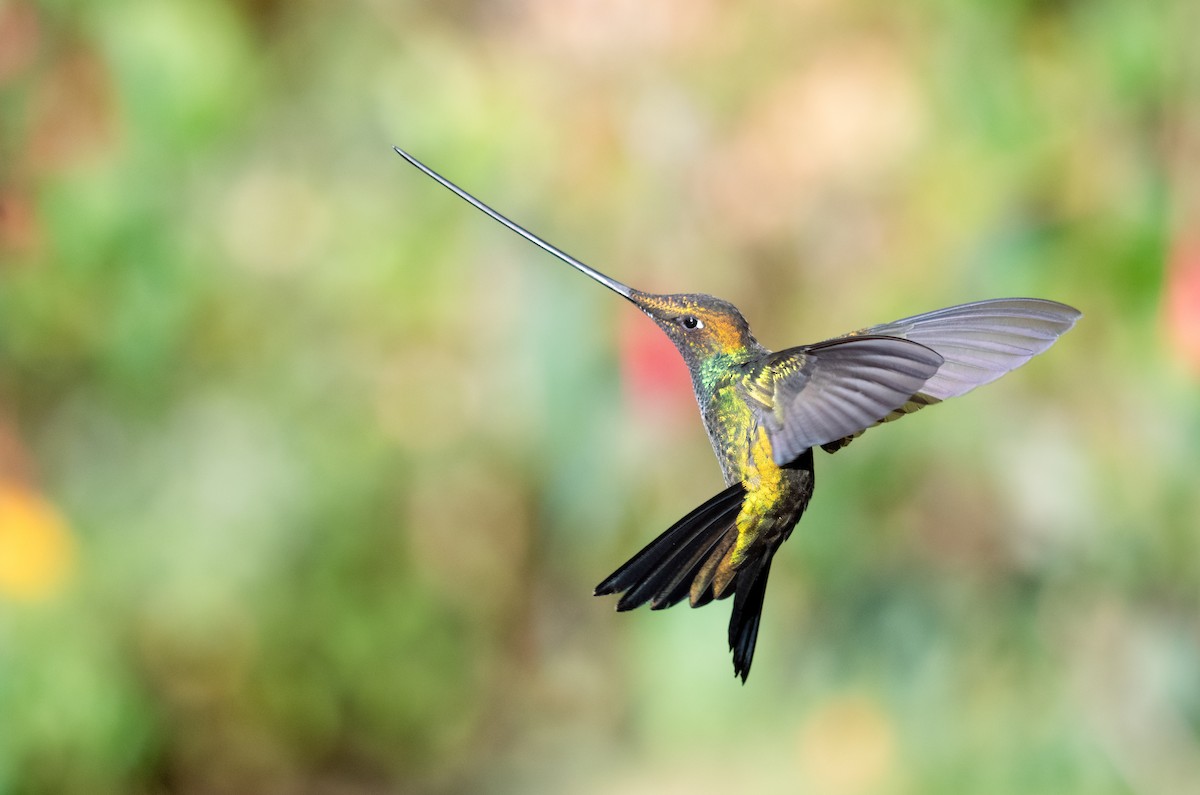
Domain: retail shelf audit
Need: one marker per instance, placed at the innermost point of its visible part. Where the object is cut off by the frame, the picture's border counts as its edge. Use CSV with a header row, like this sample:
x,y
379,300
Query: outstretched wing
x,y
979,342
816,394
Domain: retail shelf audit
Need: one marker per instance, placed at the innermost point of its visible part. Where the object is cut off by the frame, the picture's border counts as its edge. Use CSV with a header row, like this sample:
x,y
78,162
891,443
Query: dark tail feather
x,y
749,589
702,584
685,558
681,563
658,572
691,570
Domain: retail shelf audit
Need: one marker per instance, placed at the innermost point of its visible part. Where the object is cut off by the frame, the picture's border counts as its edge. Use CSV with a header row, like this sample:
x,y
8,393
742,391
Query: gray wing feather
x,y
981,341
816,394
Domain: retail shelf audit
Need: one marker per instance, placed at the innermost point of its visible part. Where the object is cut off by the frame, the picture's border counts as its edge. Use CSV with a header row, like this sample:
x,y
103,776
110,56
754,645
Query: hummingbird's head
x,y
699,325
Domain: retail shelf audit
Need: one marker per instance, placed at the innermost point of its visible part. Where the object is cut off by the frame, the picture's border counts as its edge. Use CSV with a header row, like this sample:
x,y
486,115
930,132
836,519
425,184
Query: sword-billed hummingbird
x,y
765,411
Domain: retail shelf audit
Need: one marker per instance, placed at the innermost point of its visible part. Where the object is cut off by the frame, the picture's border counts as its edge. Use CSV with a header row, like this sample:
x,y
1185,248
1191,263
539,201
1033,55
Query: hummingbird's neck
x,y
715,369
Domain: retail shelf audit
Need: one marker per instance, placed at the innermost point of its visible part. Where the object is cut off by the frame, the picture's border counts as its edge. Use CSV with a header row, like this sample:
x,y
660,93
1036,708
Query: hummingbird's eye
x,y
691,322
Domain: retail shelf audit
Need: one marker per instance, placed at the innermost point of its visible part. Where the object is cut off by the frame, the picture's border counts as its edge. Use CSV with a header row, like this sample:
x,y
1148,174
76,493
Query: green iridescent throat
x,y
716,369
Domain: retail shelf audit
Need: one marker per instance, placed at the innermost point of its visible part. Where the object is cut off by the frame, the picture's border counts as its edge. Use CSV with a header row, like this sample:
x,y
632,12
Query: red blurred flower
x,y
654,376
1181,310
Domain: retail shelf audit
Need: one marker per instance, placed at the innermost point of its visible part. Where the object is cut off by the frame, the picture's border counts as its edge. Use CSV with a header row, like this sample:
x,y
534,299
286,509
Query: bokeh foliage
x,y
307,469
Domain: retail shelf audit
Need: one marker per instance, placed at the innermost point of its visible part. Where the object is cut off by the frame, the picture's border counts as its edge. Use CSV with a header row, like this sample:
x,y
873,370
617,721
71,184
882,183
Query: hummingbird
x,y
766,411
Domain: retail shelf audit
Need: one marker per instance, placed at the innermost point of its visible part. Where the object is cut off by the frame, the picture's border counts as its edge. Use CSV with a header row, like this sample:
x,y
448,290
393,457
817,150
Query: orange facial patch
x,y
727,334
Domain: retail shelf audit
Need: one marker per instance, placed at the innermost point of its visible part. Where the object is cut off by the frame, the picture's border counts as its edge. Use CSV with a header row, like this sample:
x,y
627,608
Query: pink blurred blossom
x,y
654,377
1181,311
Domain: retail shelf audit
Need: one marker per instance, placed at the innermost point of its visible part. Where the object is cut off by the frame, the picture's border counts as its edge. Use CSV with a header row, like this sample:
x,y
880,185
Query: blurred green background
x,y
307,469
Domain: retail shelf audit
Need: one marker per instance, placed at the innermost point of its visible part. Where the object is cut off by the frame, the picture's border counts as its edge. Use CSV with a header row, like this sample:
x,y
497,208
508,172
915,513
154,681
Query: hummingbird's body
x,y
765,411
722,367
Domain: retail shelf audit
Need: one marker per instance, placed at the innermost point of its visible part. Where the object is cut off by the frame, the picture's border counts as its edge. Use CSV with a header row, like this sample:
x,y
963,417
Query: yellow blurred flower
x,y
848,746
36,549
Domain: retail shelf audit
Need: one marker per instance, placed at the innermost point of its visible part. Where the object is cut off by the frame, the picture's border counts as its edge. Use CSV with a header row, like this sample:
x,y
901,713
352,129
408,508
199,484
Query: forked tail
x,y
683,561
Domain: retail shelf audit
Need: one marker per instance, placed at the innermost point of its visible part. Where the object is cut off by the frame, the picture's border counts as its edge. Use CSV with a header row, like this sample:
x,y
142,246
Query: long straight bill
x,y
610,283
